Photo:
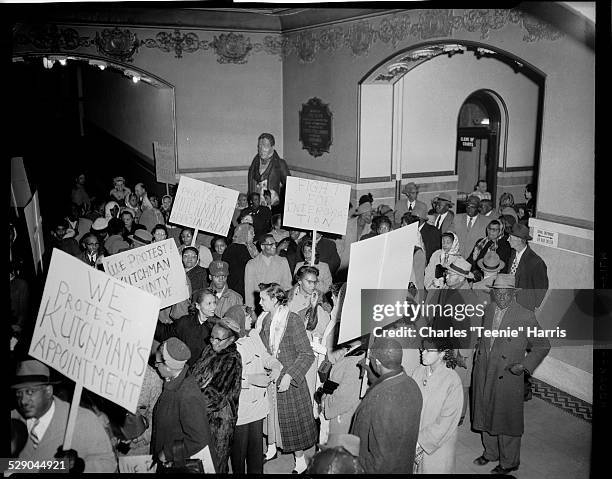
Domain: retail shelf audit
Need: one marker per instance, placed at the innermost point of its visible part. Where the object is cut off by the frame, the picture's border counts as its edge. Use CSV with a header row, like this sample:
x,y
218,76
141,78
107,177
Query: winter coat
x,y
237,256
387,424
219,375
295,415
189,330
180,414
339,406
497,394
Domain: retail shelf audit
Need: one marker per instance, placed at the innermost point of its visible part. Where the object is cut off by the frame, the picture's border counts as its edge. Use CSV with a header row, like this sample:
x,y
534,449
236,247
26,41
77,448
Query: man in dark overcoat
x,y
387,420
497,377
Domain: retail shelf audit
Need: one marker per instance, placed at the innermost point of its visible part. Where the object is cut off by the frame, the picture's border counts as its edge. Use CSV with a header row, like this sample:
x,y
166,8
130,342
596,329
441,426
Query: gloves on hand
x,y
75,463
517,369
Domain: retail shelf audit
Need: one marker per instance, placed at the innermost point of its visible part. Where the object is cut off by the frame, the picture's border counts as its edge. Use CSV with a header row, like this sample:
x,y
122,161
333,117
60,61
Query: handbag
x,y
324,370
181,465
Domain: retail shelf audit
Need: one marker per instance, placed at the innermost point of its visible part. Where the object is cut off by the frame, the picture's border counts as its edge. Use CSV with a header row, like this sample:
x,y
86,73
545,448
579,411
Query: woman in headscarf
x,y
440,259
442,394
111,210
506,205
291,425
238,254
259,369
218,372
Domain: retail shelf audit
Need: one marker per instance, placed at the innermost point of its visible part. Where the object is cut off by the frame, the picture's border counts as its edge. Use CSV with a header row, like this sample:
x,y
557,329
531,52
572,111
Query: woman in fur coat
x,y
218,372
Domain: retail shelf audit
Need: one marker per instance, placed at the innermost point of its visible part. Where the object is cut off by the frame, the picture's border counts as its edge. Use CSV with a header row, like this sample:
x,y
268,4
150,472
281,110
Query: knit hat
x,y
364,208
217,268
175,353
99,225
231,324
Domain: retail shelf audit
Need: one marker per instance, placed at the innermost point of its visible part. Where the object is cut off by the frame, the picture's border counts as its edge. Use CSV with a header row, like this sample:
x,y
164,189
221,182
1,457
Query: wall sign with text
x,y
466,143
315,127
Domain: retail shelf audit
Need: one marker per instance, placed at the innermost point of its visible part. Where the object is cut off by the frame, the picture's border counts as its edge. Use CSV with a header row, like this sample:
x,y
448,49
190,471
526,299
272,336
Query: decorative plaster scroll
x,y
232,48
116,43
358,37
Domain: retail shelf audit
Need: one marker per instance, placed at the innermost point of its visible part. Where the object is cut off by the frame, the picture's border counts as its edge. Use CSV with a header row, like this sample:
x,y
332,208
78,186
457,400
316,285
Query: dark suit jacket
x,y
431,239
447,223
531,276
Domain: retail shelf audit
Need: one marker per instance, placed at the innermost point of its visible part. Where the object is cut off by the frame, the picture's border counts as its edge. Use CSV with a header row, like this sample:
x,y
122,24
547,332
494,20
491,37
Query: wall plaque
x,y
315,127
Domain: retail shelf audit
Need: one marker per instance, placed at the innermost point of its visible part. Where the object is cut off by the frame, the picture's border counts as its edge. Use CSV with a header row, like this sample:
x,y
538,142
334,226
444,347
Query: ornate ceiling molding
x,y
358,37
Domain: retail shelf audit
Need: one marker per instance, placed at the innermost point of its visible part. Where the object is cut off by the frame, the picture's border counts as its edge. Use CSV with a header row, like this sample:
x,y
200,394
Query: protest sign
x,y
316,205
203,206
20,187
137,465
165,166
381,262
156,268
95,330
35,232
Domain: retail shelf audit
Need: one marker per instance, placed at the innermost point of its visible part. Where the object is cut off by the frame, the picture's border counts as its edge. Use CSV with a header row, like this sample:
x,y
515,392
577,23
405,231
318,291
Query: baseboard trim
x,y
566,377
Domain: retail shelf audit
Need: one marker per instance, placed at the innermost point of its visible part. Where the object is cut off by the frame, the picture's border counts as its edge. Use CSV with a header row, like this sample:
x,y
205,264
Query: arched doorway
x,y
481,128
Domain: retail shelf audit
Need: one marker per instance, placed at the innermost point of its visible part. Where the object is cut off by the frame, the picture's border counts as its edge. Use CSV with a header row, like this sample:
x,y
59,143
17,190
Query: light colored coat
x,y
90,440
442,404
340,406
265,270
401,208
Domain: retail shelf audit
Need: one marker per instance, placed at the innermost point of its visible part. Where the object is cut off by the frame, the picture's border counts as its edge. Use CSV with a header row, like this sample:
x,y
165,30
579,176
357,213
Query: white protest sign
x,y
316,205
156,268
95,329
381,262
165,166
203,206
137,465
20,187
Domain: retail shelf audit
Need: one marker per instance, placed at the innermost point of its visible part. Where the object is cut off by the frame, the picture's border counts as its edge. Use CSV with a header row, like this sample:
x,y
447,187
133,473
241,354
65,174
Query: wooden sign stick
x,y
195,236
314,247
74,409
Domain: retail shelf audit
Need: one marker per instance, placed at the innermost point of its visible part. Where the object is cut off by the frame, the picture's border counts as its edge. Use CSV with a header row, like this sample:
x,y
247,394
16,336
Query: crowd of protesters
x,y
250,365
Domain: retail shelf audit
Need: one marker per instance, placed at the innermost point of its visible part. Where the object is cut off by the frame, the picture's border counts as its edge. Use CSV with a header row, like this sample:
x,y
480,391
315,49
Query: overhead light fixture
x,y
48,63
135,78
484,121
133,75
63,62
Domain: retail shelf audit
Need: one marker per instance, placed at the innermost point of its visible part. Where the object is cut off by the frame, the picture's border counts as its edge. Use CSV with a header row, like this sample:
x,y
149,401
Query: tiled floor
x,y
555,445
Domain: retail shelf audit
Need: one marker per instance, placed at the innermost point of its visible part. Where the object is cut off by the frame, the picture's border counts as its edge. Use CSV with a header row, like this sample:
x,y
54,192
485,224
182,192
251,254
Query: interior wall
x,y
433,94
136,113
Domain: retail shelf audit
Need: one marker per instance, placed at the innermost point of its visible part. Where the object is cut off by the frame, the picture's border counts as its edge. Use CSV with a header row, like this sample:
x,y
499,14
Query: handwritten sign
x,y
381,262
316,205
546,238
137,465
203,206
165,166
156,268
95,329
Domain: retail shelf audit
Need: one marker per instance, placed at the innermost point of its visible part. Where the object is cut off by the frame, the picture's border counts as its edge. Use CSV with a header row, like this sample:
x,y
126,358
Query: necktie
x,y
438,221
410,208
514,265
470,223
34,434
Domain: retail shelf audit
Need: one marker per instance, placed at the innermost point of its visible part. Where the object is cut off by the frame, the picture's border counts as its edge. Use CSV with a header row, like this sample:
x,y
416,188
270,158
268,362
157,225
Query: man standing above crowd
x,y
410,204
266,267
46,418
268,171
444,217
388,417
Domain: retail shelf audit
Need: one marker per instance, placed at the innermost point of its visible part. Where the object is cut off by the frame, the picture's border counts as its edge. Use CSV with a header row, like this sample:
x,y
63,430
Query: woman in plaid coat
x,y
290,424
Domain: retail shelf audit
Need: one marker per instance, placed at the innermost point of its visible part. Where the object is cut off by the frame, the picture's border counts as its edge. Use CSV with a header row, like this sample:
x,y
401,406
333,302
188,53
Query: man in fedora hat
x,y
497,382
528,268
141,238
444,217
493,241
489,265
410,204
46,418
